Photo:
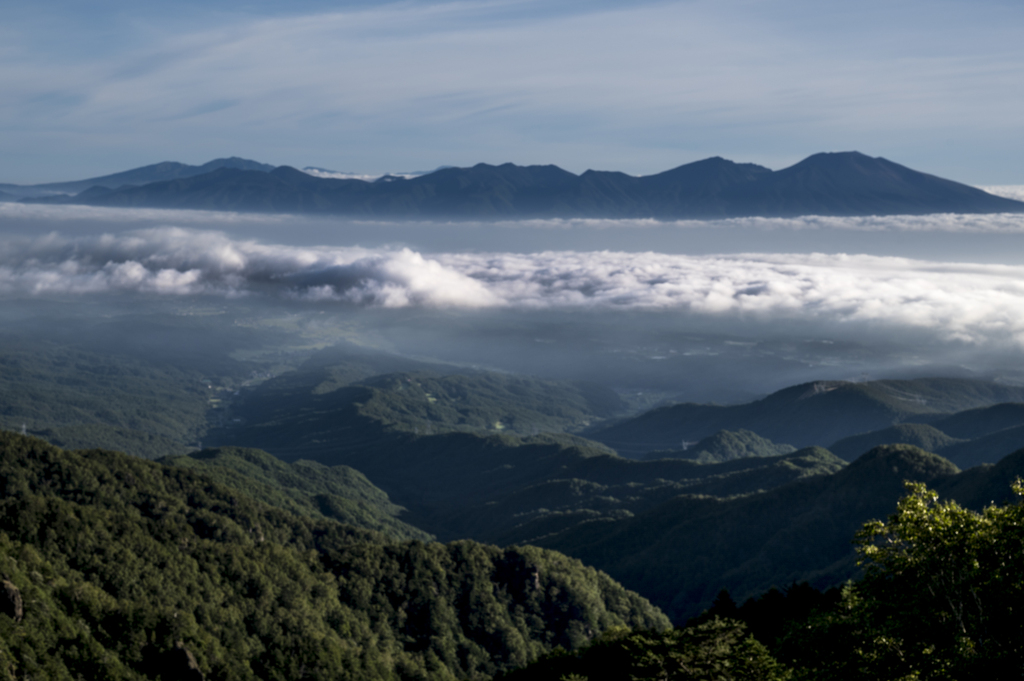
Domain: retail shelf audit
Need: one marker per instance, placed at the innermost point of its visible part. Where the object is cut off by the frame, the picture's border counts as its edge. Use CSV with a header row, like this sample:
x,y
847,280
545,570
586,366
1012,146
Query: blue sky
x,y
96,87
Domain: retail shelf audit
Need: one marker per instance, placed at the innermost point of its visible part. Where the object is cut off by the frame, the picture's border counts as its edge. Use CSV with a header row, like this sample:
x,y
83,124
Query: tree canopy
x,y
941,597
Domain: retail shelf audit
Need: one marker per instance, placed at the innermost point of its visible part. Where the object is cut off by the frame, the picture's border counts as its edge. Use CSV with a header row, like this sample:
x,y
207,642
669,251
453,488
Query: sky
x,y
92,88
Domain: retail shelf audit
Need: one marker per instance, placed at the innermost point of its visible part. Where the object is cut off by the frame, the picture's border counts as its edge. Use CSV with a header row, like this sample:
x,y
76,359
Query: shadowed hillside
x,y
817,413
726,445
681,553
305,488
127,568
433,444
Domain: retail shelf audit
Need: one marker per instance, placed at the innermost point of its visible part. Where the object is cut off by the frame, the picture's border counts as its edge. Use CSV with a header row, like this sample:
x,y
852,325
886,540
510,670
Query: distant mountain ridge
x,y
157,172
827,413
836,184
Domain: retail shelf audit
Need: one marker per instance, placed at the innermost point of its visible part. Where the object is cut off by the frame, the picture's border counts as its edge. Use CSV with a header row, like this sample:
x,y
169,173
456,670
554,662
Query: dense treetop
x,y
119,559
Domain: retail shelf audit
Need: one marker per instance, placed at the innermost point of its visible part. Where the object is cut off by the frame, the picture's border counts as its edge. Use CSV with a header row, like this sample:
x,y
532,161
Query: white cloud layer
x,y
1009,191
187,262
962,302
340,175
71,213
995,223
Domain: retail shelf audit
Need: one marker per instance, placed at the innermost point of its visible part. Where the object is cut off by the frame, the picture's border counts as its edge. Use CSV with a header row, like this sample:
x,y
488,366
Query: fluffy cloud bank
x,y
188,262
953,301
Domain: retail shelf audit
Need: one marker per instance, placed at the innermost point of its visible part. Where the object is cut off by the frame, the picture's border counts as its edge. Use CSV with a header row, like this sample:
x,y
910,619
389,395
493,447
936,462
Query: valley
x,y
424,450
414,499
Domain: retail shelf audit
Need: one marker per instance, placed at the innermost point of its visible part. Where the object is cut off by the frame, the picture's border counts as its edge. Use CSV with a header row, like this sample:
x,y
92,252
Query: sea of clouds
x,y
961,302
994,223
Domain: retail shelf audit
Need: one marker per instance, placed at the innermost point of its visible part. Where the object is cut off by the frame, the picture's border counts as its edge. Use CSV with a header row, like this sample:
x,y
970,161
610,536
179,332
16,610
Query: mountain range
x,y
836,184
844,416
732,510
327,479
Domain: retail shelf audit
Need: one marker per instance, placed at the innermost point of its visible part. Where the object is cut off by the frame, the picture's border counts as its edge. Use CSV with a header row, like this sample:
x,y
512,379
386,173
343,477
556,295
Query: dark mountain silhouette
x,y
842,184
967,438
158,172
701,189
851,183
975,423
989,448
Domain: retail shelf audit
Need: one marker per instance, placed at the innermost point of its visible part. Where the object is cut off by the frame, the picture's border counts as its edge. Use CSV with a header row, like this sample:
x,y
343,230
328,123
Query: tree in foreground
x,y
942,597
717,650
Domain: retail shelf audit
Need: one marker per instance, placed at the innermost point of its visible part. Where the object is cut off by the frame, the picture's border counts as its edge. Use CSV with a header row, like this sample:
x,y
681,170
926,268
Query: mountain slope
x,y
851,183
683,552
468,455
986,435
989,448
128,569
305,488
157,172
974,423
921,435
676,530
726,445
78,398
331,400
819,413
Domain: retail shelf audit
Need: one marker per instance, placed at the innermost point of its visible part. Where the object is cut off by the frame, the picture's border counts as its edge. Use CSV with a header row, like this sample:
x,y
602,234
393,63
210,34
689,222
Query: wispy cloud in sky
x,y
959,302
634,86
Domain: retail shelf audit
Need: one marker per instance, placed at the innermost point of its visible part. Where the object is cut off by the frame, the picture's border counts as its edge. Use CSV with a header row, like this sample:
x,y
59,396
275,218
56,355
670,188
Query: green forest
x,y
338,512
118,562
115,567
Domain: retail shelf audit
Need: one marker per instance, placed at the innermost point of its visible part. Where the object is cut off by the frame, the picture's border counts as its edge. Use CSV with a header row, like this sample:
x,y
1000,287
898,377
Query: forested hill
x,y
847,183
305,488
823,412
119,568
431,443
682,552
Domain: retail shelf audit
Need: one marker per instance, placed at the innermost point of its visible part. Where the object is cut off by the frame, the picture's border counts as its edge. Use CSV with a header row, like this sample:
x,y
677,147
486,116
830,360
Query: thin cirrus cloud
x,y
959,302
638,87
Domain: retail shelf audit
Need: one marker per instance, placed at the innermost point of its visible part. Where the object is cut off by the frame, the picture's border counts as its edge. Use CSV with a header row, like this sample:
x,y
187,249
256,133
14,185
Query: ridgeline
x,y
840,184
